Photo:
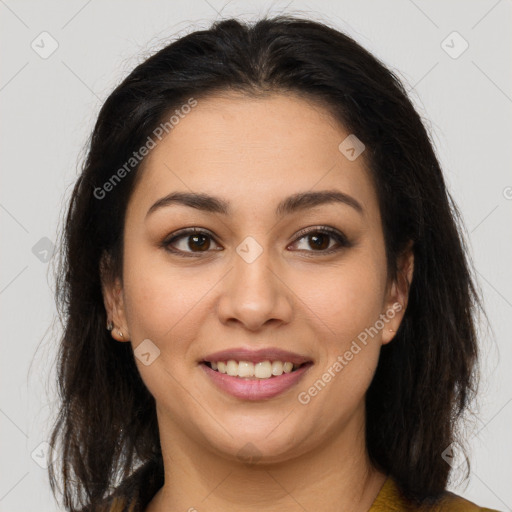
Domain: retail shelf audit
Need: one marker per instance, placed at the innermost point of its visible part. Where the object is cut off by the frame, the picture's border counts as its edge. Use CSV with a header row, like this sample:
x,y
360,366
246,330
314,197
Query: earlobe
x,y
393,318
114,306
113,302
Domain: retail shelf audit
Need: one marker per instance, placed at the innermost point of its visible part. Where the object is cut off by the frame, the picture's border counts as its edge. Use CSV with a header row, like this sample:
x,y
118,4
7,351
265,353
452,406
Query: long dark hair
x,y
426,377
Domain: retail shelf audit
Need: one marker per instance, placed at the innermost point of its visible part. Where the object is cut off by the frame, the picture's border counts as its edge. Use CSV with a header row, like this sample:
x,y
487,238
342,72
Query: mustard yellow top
x,y
390,499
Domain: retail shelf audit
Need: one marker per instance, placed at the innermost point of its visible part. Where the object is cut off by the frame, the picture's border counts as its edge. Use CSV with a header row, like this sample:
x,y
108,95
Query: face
x,y
306,276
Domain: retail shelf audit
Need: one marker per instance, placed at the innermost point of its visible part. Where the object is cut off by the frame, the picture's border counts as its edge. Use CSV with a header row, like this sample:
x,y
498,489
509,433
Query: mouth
x,y
262,370
265,380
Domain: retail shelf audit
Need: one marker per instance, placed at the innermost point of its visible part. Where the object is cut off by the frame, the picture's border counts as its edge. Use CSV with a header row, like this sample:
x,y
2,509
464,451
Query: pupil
x,y
199,245
319,245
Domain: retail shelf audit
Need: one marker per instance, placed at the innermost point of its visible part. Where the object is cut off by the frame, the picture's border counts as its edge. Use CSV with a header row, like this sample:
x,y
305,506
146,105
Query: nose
x,y
254,293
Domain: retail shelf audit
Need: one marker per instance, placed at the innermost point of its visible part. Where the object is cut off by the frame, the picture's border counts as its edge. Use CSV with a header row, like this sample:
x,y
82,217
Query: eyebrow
x,y
294,203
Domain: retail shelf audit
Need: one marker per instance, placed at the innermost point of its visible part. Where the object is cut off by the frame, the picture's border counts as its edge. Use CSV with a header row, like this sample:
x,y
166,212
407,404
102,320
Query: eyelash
x,y
333,233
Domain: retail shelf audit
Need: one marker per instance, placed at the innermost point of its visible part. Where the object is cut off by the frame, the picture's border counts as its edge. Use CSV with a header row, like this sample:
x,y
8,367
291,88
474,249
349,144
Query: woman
x,y
267,300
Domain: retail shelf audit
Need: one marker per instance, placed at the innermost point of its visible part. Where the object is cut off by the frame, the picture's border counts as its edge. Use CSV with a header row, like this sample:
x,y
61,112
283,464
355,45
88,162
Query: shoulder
x,y
390,499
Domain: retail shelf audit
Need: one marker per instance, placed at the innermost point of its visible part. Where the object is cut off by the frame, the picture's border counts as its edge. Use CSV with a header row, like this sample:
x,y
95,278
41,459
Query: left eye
x,y
198,241
320,240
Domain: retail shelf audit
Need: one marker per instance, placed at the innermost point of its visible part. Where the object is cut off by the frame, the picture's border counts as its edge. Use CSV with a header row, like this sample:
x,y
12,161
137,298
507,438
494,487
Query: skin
x,y
254,153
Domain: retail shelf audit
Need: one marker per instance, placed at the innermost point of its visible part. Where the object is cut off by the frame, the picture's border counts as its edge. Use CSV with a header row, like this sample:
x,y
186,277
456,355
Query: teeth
x,y
246,369
287,367
277,368
262,370
232,368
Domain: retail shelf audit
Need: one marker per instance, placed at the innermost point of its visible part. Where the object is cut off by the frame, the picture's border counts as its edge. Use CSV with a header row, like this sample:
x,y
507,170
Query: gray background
x,y
48,106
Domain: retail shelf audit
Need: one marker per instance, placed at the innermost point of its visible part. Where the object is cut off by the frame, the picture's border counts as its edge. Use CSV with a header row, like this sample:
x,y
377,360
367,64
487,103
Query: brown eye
x,y
193,242
200,242
319,239
188,242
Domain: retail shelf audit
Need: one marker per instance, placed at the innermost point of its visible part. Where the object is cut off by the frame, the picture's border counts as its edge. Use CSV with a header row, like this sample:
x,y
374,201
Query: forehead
x,y
254,151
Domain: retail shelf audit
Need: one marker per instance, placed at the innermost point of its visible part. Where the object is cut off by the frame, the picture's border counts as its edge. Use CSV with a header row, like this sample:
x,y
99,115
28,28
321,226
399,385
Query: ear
x,y
113,300
397,295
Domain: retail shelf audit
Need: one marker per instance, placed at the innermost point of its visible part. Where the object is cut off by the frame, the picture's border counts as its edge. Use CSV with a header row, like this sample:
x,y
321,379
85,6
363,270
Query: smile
x,y
254,381
260,370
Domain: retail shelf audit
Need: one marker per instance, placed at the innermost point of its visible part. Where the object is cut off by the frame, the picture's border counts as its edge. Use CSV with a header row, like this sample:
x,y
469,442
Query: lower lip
x,y
254,388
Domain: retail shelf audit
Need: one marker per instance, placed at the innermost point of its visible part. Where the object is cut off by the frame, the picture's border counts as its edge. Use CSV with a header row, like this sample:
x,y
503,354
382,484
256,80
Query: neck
x,y
334,476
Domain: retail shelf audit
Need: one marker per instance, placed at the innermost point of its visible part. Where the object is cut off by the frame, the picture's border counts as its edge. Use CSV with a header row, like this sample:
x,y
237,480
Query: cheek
x,y
163,305
346,308
345,299
159,308
161,299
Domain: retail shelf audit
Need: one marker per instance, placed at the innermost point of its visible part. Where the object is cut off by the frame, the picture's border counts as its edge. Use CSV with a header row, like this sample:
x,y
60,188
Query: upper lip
x,y
256,356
